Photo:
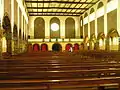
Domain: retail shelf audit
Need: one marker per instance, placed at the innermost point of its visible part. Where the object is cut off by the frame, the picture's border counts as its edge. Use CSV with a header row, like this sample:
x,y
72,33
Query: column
x,y
118,21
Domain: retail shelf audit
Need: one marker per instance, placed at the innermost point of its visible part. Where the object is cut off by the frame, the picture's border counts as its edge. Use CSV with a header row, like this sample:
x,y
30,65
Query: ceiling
x,y
58,7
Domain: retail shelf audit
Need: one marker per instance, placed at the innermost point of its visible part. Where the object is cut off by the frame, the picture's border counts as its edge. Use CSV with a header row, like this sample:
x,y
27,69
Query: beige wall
x,y
112,20
7,7
47,25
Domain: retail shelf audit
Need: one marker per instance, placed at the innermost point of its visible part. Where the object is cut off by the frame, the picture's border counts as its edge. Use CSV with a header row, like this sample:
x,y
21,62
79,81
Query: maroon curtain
x,y
76,47
68,47
44,47
36,47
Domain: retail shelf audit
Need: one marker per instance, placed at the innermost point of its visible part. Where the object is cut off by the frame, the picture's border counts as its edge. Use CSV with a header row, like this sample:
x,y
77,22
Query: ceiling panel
x,y
58,7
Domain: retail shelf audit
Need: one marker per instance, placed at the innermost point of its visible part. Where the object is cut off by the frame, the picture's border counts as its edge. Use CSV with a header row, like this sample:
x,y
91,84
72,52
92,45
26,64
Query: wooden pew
x,y
58,73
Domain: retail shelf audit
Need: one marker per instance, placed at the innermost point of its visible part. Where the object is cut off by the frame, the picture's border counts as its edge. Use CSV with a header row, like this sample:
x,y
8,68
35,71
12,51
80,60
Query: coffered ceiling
x,y
58,7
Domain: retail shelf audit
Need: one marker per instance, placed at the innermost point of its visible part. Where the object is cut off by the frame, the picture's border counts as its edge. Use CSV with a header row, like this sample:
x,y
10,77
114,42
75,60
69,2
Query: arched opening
x,y
20,34
44,47
92,10
100,44
113,39
69,28
81,46
39,28
81,27
86,43
100,17
30,48
56,47
55,28
15,38
68,46
92,21
36,47
76,47
4,45
8,35
100,4
92,42
85,25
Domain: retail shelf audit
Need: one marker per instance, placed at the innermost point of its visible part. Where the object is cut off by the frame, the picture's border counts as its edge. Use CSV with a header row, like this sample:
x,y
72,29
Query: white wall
x,y
47,25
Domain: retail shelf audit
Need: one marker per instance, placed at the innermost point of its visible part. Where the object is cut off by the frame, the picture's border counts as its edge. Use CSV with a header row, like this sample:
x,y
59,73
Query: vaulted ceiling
x,y
58,7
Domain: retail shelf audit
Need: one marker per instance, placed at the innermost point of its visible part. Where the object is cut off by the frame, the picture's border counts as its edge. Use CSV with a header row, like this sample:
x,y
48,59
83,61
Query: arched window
x,y
19,33
85,24
81,27
39,28
54,28
92,23
92,10
100,5
36,47
100,19
44,47
70,28
15,34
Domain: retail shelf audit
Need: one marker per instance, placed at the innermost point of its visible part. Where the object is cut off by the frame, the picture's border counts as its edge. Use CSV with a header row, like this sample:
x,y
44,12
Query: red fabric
x,y
36,47
76,47
43,47
68,47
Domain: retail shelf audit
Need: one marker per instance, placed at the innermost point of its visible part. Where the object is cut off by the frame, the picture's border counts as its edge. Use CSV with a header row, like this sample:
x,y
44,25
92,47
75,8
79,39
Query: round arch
x,y
15,32
92,10
36,47
92,41
55,34
44,47
81,27
70,28
86,25
100,41
113,39
76,47
56,47
39,28
100,4
7,27
68,46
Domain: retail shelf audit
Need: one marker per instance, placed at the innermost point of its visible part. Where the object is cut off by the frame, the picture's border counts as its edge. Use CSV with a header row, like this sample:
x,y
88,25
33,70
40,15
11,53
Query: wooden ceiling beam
x,y
52,15
55,8
66,2
58,12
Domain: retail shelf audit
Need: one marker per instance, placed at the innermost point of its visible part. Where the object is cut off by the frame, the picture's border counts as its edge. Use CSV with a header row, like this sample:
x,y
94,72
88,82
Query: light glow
x,y
4,45
115,41
100,42
54,27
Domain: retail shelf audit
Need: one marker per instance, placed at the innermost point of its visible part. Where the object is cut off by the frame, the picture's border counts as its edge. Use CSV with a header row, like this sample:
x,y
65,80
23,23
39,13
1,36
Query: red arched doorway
x,y
44,47
67,48
36,47
76,47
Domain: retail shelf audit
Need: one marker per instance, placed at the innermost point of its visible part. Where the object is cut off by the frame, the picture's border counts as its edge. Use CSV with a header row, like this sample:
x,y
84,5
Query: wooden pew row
x,y
62,83
78,59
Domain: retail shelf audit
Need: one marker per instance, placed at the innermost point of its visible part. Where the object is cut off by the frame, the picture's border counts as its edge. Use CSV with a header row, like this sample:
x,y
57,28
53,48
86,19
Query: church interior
x,y
59,44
